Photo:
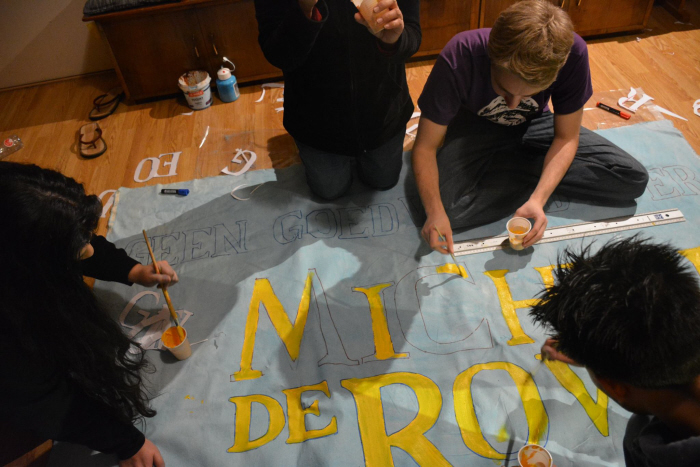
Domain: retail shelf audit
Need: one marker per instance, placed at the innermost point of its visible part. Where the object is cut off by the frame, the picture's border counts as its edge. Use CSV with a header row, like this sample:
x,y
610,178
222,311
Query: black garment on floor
x,y
41,398
343,93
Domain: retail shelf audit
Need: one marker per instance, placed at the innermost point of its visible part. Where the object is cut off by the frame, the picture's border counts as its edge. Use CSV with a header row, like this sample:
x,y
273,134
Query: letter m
x,y
290,333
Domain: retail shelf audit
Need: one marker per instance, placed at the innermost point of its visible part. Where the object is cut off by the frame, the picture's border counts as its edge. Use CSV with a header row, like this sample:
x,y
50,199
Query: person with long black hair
x,y
66,372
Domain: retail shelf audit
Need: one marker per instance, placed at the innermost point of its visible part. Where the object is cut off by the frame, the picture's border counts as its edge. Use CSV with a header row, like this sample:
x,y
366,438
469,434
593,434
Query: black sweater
x,y
42,399
343,92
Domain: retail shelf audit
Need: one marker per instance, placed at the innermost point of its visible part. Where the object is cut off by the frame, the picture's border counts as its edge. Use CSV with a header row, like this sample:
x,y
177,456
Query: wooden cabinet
x,y
590,17
152,47
440,20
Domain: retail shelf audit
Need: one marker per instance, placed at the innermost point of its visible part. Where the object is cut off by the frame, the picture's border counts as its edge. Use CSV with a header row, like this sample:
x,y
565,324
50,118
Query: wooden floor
x,y
663,61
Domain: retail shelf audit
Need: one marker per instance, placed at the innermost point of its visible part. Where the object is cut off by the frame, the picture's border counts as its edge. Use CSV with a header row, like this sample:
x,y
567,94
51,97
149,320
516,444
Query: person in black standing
x,y
346,100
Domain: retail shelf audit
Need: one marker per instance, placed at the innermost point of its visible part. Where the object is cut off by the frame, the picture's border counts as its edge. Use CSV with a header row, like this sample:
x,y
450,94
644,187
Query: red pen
x,y
619,113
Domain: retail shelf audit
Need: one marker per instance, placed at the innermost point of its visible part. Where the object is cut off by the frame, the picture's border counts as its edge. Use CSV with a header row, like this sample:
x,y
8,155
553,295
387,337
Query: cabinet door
x,y
231,31
490,9
440,20
153,51
604,16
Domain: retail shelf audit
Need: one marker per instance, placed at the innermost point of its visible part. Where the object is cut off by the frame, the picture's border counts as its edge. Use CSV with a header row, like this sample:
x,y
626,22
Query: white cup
x,y
518,228
533,455
182,350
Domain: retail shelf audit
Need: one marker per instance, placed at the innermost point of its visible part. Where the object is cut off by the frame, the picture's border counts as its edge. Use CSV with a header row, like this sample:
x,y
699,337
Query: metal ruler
x,y
567,232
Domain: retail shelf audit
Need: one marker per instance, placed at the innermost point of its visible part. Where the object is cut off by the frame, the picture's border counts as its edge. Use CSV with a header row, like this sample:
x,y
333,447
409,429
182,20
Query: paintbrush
x,y
442,238
180,332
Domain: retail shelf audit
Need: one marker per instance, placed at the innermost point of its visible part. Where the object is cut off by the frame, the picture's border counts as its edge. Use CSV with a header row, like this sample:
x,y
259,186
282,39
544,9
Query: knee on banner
x,y
329,186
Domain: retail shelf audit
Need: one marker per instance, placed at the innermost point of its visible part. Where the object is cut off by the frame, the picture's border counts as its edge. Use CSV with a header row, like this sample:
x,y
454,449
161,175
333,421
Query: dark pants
x,y
330,175
487,171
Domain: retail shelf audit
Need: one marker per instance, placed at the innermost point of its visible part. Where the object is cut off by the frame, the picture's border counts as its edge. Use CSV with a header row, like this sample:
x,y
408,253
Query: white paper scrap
x,y
668,112
269,85
206,133
637,103
696,107
233,192
249,161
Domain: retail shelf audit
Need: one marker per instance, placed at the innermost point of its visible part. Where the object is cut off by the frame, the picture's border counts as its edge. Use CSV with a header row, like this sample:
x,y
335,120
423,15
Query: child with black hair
x,y
66,372
630,314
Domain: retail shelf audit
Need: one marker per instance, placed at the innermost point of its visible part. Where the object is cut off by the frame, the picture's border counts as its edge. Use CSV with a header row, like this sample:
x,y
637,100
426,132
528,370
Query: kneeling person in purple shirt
x,y
488,144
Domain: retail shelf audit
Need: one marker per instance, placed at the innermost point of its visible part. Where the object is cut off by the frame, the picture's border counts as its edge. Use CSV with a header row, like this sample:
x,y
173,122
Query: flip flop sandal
x,y
106,104
91,143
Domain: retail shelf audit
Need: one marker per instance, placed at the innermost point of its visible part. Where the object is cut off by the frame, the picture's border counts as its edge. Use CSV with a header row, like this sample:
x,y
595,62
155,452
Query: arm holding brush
x,y
110,263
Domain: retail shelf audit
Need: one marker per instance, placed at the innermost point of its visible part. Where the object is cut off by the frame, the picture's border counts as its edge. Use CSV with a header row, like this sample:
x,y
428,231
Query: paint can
x,y
180,348
195,85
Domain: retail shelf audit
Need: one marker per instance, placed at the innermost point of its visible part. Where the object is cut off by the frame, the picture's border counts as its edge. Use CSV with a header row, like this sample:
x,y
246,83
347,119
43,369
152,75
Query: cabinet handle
x,y
216,52
562,4
194,42
579,3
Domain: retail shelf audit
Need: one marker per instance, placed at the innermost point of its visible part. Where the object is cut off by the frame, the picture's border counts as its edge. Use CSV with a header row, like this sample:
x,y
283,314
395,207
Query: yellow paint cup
x,y
518,228
532,455
180,348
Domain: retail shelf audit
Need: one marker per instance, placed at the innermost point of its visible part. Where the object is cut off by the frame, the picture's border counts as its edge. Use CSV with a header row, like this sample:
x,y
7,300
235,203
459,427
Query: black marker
x,y
175,191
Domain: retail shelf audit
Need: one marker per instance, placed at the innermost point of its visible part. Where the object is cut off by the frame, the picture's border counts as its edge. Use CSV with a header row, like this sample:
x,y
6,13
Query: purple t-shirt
x,y
461,78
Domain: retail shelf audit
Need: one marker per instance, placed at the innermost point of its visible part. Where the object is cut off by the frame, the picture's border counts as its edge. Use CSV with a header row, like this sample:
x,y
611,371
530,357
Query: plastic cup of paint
x,y
518,228
180,348
367,11
532,455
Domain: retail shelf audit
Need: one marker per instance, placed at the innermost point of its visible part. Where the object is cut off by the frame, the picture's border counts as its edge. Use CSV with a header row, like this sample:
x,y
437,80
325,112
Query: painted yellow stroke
x,y
411,439
451,268
465,412
297,414
596,410
384,347
291,334
244,405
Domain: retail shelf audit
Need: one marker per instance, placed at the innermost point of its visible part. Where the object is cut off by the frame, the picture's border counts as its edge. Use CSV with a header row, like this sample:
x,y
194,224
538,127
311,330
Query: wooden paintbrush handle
x,y
165,291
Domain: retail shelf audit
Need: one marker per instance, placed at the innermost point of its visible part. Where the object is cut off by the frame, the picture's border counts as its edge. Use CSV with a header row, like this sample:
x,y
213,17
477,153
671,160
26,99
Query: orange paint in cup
x,y
179,347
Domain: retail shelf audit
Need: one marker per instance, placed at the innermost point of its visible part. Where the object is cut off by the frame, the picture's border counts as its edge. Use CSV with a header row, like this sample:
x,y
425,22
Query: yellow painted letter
x,y
384,348
537,419
244,406
693,255
508,307
296,414
597,411
290,334
370,418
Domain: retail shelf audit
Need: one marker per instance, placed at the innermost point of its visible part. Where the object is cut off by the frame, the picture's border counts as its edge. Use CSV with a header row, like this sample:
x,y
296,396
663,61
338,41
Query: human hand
x,y
148,276
533,210
307,7
148,456
430,233
390,17
549,352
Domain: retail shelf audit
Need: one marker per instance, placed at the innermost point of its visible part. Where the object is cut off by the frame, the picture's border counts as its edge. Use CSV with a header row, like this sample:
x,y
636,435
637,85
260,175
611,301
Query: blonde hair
x,y
532,39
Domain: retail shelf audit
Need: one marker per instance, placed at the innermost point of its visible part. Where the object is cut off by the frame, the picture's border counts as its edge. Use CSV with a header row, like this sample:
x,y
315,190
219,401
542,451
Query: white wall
x,y
46,39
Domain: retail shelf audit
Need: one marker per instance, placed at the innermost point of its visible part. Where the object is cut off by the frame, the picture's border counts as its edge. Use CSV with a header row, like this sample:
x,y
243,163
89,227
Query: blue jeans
x,y
487,171
330,175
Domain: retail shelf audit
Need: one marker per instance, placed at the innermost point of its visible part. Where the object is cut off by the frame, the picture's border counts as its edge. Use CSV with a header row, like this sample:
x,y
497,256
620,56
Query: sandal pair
x,y
90,143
